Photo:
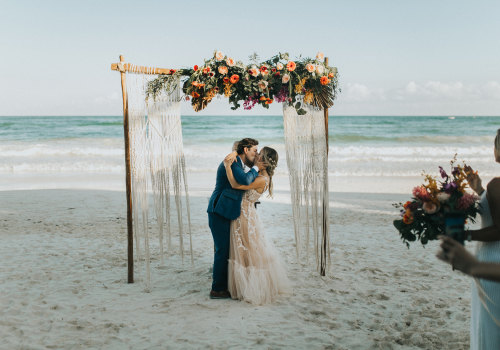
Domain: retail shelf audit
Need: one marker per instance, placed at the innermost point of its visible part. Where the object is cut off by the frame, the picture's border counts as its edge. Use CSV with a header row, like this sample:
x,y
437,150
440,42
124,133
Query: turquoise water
x,y
223,129
359,146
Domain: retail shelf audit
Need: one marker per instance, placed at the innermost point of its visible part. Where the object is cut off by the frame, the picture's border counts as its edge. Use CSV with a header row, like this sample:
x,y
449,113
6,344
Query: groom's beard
x,y
248,163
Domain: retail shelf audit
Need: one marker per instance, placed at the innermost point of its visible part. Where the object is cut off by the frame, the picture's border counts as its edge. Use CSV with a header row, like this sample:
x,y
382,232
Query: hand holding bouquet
x,y
423,217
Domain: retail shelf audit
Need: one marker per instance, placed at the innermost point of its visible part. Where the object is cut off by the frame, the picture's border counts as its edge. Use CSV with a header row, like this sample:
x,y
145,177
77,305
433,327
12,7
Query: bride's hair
x,y
270,156
497,140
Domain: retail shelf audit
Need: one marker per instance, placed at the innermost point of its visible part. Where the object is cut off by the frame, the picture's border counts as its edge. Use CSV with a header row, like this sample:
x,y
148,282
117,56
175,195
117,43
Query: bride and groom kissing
x,y
246,265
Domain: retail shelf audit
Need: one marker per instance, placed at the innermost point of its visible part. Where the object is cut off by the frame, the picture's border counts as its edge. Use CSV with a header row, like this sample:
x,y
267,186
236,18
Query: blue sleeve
x,y
241,177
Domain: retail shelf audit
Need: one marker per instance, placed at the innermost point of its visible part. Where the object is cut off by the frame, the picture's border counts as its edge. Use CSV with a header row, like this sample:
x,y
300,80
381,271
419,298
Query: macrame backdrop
x,y
157,165
307,160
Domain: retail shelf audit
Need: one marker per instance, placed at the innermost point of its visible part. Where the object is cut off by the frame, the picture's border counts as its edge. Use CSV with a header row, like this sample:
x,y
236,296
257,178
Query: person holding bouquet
x,y
485,300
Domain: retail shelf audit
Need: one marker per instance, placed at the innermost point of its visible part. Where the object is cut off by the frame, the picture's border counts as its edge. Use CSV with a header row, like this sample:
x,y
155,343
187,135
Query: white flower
x,y
285,78
254,71
320,56
320,68
279,66
219,56
263,84
443,197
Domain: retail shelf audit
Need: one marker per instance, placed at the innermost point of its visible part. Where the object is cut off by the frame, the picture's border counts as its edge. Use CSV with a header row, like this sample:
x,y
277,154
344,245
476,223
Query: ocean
x,y
359,145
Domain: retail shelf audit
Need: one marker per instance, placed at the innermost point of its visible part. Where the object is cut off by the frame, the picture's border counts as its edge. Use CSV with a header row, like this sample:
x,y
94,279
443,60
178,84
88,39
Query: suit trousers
x,y
220,228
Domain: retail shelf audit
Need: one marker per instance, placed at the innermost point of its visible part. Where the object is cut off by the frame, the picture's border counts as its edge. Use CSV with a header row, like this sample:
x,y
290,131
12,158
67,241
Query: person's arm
x,y
259,183
455,254
490,233
241,177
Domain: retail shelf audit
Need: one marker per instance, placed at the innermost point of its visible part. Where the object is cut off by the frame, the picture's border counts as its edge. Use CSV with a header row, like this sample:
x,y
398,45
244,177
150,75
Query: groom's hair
x,y
246,142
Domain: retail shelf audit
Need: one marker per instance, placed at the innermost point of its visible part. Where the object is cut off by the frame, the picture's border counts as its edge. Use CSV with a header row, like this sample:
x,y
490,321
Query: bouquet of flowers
x,y
279,79
423,217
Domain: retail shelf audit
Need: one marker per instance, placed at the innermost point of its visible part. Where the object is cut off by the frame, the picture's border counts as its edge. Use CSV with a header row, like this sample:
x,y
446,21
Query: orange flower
x,y
234,78
330,75
269,101
225,80
206,70
263,98
194,83
406,204
324,80
291,66
172,71
408,218
195,67
223,70
195,94
230,62
310,67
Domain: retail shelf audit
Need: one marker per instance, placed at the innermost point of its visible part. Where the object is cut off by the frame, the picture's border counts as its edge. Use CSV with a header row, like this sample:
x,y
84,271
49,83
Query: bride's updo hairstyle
x,y
270,156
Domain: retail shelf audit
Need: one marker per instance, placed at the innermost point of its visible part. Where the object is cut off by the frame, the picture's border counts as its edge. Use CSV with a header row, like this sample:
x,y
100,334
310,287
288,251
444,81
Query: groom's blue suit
x,y
225,205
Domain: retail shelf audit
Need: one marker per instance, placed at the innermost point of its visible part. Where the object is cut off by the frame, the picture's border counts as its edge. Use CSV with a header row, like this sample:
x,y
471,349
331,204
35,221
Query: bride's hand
x,y
231,157
474,180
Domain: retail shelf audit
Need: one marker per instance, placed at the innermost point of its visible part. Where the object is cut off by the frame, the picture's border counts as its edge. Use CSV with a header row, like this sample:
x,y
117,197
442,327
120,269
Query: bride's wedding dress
x,y
256,273
485,307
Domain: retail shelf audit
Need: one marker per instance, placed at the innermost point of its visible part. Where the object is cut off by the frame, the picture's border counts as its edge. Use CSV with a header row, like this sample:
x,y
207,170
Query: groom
x,y
225,205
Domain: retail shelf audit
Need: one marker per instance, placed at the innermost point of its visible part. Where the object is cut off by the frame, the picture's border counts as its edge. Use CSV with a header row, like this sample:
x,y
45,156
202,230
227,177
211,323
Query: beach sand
x,y
63,278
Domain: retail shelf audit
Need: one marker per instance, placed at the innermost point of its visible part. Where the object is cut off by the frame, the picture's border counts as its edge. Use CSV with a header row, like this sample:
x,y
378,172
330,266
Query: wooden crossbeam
x,y
128,67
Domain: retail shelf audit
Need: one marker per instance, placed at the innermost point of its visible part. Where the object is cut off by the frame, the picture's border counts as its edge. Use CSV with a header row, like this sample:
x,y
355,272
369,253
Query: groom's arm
x,y
241,177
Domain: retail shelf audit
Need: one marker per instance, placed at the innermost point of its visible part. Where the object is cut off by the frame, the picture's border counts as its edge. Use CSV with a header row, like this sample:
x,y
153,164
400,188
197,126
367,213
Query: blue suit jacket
x,y
225,200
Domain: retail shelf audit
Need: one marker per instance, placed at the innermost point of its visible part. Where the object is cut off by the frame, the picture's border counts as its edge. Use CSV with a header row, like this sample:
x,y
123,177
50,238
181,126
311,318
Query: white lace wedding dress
x,y
256,273
485,307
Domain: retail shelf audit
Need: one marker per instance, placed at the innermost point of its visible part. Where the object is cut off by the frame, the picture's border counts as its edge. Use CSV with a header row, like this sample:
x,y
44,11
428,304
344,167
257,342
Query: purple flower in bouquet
x,y
282,95
443,173
455,171
250,102
466,201
450,187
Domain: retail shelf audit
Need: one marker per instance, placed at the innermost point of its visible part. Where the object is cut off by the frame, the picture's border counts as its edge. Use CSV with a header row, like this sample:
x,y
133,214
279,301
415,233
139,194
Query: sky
x,y
399,57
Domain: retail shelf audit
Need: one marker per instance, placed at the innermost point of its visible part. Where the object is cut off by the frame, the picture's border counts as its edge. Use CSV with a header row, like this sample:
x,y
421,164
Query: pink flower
x,y
285,79
430,207
420,192
466,201
279,66
320,56
223,70
310,67
230,62
263,84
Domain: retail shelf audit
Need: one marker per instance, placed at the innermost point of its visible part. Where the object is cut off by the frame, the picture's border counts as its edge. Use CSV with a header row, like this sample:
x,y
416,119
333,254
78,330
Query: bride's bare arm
x,y
490,233
258,184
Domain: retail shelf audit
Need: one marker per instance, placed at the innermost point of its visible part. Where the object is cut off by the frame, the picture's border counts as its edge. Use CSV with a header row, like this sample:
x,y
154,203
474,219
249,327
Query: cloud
x,y
426,91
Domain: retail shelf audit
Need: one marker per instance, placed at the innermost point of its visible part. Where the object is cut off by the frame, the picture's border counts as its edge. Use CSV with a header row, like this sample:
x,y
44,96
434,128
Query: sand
x,y
63,277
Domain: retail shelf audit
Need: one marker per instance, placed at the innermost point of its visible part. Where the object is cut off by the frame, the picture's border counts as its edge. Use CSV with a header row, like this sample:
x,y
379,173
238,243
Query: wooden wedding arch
x,y
123,68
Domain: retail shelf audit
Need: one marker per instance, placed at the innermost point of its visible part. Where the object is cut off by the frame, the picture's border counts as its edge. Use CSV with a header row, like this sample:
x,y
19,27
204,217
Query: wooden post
x,y
128,180
324,228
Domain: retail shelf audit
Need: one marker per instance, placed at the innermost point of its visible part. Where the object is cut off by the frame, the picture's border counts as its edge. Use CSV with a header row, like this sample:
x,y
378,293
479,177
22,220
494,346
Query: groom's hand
x,y
262,165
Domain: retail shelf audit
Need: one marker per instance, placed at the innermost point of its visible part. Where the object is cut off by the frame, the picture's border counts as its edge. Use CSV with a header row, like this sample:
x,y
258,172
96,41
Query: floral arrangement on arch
x,y
278,79
423,217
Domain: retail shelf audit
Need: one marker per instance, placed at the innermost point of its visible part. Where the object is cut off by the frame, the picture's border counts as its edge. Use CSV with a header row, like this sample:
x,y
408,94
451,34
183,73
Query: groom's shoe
x,y
219,295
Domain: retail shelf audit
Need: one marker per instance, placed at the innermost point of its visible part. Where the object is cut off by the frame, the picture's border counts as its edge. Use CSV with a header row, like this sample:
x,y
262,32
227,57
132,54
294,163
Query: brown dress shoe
x,y
219,295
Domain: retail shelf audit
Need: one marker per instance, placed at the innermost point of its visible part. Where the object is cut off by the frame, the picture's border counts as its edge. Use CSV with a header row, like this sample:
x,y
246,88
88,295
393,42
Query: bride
x,y
256,273
485,301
